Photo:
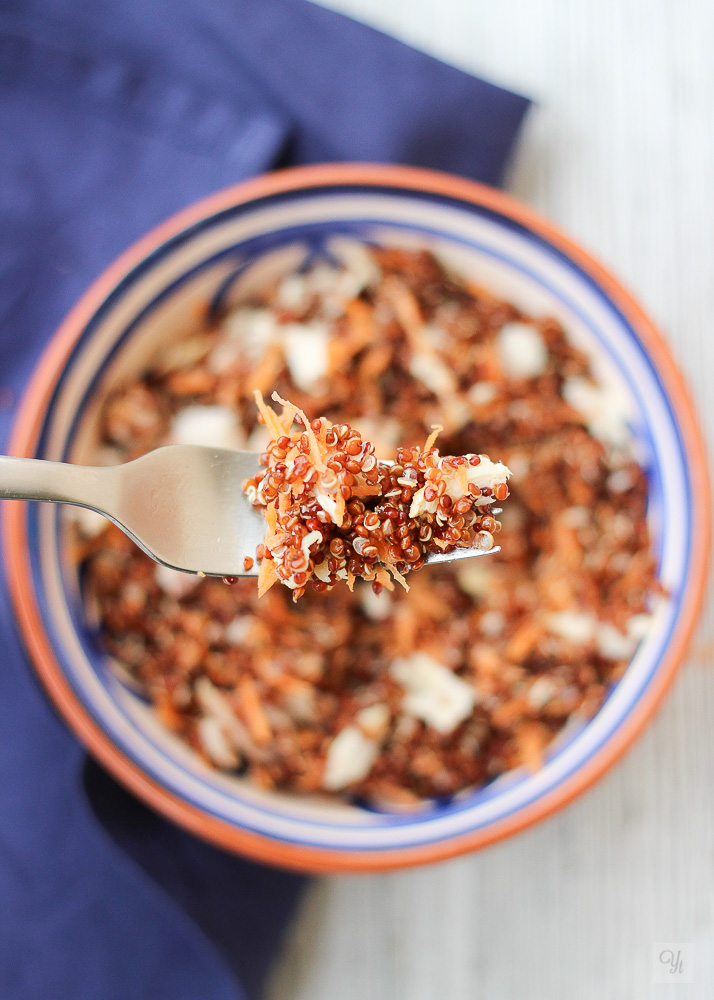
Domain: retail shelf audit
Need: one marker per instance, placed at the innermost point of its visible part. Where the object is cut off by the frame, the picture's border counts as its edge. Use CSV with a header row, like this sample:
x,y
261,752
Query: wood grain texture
x,y
620,153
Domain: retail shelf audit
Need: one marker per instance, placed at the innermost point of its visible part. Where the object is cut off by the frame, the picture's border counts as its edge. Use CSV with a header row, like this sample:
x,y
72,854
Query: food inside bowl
x,y
335,512
402,696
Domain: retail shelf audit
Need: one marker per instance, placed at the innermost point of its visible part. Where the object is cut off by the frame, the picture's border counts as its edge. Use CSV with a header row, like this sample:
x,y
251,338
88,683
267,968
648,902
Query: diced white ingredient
x,y
89,522
237,631
305,346
604,411
312,538
256,329
215,743
492,623
361,269
322,571
224,355
639,626
435,335
487,473
482,393
475,577
375,606
293,292
349,758
576,517
174,583
620,480
432,371
612,644
300,703
521,351
215,426
328,504
432,692
540,692
575,626
457,412
373,721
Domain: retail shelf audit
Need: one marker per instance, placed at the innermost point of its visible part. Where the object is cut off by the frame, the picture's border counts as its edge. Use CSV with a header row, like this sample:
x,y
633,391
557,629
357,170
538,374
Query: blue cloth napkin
x,y
113,115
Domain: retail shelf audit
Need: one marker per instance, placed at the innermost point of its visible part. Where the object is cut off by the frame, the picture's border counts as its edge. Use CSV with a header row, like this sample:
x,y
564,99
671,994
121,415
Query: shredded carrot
x,y
360,332
383,578
266,576
269,415
441,543
397,576
284,502
339,511
269,368
408,312
252,711
436,430
366,491
350,581
271,517
318,456
463,478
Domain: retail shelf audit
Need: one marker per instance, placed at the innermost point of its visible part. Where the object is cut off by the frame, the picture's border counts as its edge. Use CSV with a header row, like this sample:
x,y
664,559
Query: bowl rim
x,y
23,441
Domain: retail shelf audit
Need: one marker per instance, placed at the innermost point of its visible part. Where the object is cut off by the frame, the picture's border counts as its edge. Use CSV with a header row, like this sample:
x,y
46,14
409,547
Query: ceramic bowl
x,y
212,252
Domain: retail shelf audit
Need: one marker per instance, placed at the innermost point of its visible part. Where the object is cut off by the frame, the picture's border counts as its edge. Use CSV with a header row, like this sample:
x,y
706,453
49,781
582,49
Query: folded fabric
x,y
113,116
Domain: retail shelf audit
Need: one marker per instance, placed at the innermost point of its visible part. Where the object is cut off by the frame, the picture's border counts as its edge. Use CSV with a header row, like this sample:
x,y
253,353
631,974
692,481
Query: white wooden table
x,y
620,152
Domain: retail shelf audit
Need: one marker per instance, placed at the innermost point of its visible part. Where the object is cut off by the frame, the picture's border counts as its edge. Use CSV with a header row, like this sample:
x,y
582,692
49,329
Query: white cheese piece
x,y
361,269
293,293
215,743
375,606
486,473
174,583
612,644
474,576
349,758
255,329
604,411
482,393
492,623
224,355
431,370
328,504
575,626
236,632
640,625
312,538
521,351
541,692
373,721
216,426
305,346
432,692
322,571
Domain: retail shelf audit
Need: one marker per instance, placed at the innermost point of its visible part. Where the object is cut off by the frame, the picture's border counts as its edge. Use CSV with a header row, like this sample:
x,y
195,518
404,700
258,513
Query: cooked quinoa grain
x,y
399,696
335,512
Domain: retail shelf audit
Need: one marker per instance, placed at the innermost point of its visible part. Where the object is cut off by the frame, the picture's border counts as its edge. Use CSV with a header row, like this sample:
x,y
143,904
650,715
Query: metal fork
x,y
182,504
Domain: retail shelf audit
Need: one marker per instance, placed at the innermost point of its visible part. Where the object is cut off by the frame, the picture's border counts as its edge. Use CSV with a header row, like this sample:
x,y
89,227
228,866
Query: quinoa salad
x,y
335,512
391,697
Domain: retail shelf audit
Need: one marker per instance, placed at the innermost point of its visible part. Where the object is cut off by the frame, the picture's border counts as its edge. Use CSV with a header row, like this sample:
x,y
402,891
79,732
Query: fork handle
x,y
57,482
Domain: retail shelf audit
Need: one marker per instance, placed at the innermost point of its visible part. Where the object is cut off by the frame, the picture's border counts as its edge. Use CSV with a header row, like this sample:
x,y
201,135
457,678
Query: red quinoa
x,y
397,696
